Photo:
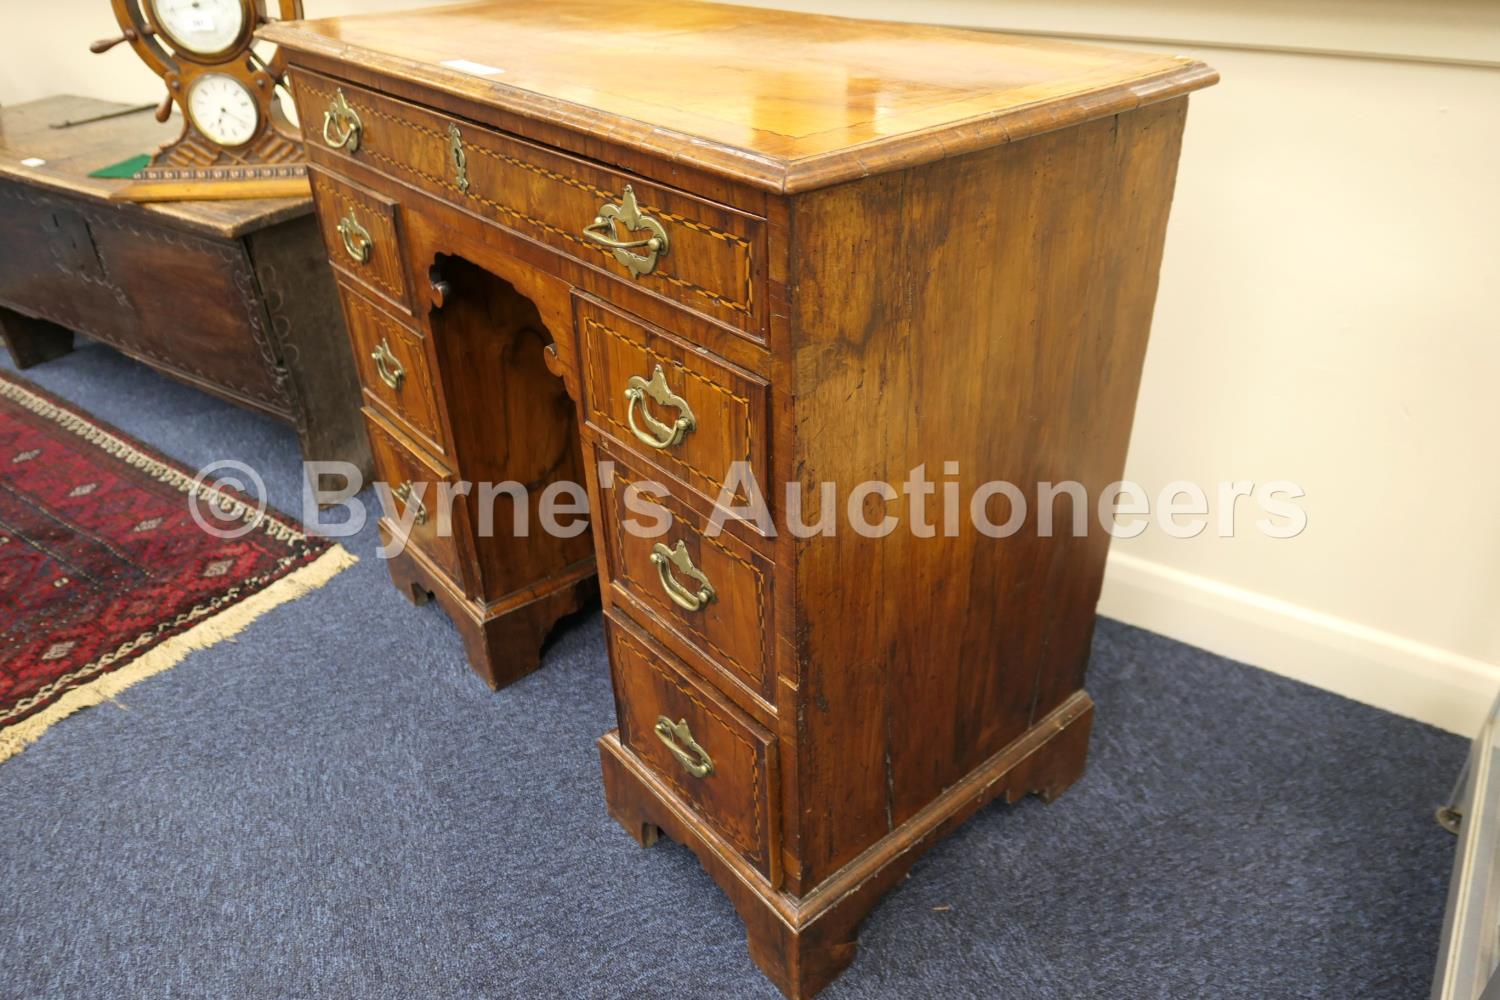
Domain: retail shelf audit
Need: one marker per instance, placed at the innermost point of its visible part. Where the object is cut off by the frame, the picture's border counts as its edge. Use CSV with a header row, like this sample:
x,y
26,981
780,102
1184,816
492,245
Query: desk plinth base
x,y
802,944
503,640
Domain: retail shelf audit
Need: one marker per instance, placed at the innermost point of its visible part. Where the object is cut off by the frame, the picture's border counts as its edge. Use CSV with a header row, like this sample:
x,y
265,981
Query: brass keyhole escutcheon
x,y
459,157
670,562
678,739
657,434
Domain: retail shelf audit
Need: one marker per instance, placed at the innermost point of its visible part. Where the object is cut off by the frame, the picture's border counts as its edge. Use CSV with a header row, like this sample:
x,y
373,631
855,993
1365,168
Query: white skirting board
x,y
1378,668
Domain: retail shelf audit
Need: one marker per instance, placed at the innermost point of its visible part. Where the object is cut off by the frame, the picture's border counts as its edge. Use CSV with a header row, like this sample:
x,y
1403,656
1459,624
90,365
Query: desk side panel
x,y
989,310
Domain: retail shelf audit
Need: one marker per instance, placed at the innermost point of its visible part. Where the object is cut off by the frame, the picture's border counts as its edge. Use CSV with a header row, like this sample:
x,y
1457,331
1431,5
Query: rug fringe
x,y
169,653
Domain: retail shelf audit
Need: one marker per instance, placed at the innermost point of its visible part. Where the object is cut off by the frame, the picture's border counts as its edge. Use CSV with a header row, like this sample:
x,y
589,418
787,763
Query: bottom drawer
x,y
717,760
413,479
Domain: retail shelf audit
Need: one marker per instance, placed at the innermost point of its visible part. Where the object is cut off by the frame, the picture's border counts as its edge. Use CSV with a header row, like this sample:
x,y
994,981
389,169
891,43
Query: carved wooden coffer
x,y
232,297
696,246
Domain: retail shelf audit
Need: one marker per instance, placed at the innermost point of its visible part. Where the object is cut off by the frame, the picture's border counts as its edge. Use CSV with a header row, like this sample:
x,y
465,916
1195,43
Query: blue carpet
x,y
332,805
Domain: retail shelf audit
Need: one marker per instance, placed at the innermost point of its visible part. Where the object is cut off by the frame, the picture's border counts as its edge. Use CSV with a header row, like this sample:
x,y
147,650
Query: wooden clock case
x,y
271,164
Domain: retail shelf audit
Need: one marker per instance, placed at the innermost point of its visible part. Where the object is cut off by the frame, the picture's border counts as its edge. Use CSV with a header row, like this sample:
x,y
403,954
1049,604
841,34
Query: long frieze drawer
x,y
414,482
673,404
715,592
392,362
718,761
359,228
705,256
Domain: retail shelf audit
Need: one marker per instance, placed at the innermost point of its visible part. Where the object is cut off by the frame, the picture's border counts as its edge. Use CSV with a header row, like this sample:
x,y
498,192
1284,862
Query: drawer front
x,y
717,760
674,405
399,467
713,592
359,228
714,258
392,361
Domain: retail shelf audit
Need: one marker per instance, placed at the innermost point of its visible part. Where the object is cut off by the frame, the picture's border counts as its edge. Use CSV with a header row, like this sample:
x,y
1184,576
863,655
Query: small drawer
x,y
392,361
713,592
707,257
359,228
718,761
401,468
673,404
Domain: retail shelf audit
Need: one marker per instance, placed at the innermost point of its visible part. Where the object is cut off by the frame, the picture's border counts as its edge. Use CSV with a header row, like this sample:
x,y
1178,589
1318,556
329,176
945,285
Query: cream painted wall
x,y
1327,315
47,49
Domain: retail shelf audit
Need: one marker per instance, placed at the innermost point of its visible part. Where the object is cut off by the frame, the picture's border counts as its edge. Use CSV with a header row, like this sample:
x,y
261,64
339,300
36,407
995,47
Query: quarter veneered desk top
x,y
780,100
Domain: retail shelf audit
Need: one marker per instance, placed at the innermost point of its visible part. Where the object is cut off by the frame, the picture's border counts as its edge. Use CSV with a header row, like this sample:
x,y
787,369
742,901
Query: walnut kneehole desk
x,y
677,236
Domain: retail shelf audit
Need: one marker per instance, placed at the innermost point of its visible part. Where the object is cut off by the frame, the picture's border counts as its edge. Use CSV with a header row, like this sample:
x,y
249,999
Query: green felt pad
x,y
125,168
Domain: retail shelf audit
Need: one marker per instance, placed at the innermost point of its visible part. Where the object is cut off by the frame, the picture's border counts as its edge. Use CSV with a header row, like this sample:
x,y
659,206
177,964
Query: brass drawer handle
x,y
409,501
602,233
666,561
357,241
678,738
386,365
459,157
341,125
657,434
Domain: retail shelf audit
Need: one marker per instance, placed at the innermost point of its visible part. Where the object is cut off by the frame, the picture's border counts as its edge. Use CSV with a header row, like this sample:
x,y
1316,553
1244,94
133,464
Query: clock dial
x,y
200,27
223,109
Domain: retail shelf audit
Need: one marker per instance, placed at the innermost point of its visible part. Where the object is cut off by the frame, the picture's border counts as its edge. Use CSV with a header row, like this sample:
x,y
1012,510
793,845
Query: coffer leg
x,y
32,341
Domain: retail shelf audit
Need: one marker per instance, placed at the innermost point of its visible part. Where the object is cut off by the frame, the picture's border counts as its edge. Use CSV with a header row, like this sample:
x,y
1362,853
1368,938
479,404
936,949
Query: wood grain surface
x,y
781,100
70,154
947,244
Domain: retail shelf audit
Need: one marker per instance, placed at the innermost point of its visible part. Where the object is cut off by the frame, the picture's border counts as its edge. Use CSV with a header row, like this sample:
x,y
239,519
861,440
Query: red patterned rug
x,y
106,577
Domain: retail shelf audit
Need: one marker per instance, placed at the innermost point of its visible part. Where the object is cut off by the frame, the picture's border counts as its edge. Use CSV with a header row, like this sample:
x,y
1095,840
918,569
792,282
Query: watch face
x,y
223,109
200,27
